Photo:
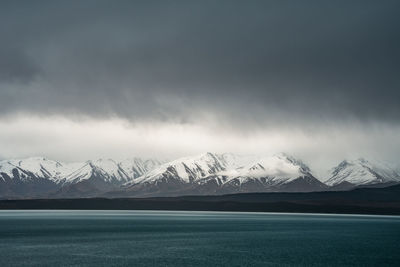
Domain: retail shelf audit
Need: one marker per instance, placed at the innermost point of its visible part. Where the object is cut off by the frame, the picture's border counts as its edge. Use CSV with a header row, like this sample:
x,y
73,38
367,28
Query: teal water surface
x,y
162,238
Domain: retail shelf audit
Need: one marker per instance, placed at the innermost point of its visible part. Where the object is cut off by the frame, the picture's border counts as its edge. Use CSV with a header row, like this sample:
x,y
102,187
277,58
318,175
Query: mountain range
x,y
205,174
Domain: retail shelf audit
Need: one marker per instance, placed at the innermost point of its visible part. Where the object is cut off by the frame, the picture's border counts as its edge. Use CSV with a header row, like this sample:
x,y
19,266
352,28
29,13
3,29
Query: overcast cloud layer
x,y
244,70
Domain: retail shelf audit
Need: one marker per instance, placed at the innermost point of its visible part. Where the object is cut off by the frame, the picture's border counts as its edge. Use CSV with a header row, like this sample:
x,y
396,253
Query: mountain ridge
x,y
207,173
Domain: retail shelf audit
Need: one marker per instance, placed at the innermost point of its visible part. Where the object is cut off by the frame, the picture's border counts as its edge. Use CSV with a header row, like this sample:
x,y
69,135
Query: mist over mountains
x,y
204,174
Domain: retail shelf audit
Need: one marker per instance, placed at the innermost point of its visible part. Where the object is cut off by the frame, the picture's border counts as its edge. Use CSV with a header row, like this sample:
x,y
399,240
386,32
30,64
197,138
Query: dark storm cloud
x,y
253,61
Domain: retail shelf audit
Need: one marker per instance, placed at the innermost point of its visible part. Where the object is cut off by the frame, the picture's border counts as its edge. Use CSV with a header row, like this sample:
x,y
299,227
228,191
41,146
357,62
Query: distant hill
x,y
357,201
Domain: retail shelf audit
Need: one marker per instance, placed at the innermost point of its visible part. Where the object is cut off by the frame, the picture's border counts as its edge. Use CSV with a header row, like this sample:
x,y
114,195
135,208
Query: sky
x,y
88,79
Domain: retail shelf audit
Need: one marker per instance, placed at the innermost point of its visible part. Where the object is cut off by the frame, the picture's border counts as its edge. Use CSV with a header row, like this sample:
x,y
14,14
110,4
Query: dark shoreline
x,y
383,201
130,204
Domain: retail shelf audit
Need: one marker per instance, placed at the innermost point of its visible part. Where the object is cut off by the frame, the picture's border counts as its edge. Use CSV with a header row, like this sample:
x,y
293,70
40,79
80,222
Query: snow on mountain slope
x,y
111,171
225,173
208,173
233,161
277,169
191,169
136,167
362,172
31,177
6,168
84,172
277,166
185,170
57,172
280,166
35,167
102,175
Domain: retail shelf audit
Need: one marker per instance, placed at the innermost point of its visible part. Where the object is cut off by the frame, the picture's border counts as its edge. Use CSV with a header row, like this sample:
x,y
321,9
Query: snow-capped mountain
x,y
103,175
177,175
35,167
226,173
108,169
270,171
37,175
31,176
185,169
136,167
279,167
207,174
362,172
280,172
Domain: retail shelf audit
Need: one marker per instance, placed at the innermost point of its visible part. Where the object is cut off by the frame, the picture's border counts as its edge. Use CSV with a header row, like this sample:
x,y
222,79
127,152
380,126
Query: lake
x,y
184,238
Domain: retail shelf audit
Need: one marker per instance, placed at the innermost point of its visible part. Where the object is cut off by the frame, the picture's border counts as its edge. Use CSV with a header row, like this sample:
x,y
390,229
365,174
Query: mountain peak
x,y
186,169
362,160
206,173
361,172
